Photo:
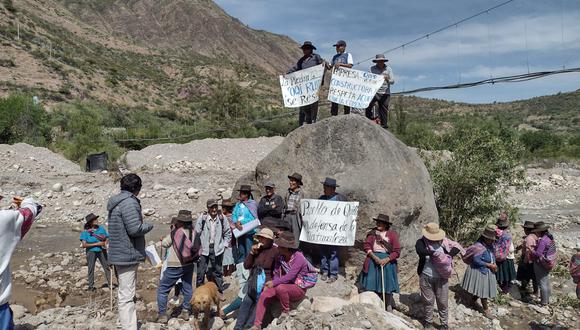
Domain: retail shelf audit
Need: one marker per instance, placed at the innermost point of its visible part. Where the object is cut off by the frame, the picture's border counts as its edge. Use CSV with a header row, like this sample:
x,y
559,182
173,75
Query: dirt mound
x,y
24,158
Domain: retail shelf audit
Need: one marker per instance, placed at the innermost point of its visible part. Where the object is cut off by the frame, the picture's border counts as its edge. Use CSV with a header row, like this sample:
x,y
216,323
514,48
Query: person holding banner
x,y
383,95
329,260
379,272
293,198
307,113
245,211
341,59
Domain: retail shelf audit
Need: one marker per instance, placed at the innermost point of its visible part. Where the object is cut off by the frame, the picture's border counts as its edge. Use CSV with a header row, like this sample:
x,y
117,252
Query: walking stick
x,y
383,284
111,287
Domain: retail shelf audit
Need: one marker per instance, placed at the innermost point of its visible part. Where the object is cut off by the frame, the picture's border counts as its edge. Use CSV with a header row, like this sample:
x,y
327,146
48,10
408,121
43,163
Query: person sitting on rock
x,y
479,279
94,239
262,256
525,272
330,260
383,249
14,224
292,210
546,246
435,266
293,275
215,236
229,260
178,266
246,211
504,254
270,208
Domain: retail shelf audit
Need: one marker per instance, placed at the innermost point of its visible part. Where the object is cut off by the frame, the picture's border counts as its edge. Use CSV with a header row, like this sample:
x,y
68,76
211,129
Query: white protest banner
x,y
328,222
301,87
353,88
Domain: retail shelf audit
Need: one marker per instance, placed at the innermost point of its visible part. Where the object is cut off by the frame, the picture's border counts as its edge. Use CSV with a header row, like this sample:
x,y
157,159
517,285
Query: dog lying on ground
x,y
202,301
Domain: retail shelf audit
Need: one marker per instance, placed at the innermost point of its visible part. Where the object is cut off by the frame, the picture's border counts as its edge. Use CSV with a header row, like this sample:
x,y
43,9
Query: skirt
x,y
525,272
506,271
371,281
228,257
479,284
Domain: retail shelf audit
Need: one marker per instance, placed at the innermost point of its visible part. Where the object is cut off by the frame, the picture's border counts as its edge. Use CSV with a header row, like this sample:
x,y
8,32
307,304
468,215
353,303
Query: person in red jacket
x,y
383,249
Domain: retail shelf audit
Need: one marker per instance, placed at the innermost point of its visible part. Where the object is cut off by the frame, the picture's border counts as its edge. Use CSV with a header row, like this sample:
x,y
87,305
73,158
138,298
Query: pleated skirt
x,y
371,281
506,271
479,284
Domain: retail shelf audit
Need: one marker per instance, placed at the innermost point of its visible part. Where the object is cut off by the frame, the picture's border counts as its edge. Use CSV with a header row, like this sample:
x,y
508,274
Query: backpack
x,y
255,283
442,262
501,248
472,251
309,279
550,257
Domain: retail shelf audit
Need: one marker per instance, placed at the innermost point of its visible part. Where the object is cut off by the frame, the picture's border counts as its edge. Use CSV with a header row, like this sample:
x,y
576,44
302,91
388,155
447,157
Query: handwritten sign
x,y
353,88
301,87
328,222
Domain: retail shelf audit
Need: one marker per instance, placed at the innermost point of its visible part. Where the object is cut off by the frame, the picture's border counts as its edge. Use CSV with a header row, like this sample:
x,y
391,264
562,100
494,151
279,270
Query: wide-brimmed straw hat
x,y
502,220
383,218
380,58
286,240
489,233
266,233
308,44
432,232
297,177
529,225
540,227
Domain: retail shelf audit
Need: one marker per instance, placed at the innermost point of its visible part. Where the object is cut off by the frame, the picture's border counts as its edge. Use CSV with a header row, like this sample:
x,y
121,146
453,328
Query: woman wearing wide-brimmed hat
x,y
544,259
382,248
525,272
435,266
479,279
504,254
94,239
292,210
245,211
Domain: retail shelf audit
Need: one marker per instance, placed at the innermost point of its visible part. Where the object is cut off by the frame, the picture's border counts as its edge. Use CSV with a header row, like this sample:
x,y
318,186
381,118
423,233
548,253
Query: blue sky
x,y
539,34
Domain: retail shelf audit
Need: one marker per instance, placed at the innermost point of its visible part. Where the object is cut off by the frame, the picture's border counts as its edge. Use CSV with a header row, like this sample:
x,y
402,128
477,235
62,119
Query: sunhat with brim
x,y
182,218
308,44
529,225
90,217
383,218
286,240
432,232
489,233
246,188
185,214
380,58
266,233
297,177
540,227
330,182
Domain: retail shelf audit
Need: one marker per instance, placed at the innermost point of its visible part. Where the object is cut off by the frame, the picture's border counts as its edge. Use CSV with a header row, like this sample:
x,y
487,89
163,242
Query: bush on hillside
x,y
21,120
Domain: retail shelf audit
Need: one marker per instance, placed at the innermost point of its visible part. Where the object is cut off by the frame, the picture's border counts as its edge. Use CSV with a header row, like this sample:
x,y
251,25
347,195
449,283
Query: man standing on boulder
x,y
329,260
383,95
127,244
14,224
307,113
341,59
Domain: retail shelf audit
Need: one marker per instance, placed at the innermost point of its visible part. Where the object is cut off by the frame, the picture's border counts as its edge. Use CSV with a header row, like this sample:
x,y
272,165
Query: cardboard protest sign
x,y
353,88
301,87
328,222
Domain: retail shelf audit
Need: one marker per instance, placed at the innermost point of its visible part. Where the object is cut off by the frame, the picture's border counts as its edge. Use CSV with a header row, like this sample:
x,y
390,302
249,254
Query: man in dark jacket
x,y
270,208
127,244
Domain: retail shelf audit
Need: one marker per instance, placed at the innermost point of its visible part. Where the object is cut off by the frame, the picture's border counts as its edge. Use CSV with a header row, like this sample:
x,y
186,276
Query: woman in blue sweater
x,y
479,279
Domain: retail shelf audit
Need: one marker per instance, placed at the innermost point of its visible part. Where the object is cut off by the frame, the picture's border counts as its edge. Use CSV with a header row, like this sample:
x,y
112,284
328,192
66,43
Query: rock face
x,y
370,164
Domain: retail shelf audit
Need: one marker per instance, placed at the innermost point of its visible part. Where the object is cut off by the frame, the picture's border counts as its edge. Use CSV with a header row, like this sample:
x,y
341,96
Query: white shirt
x,y
10,225
212,229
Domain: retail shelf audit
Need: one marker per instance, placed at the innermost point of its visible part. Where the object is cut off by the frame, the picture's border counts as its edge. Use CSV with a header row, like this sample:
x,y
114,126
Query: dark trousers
x,y
334,109
92,260
329,261
216,267
246,313
170,277
244,247
307,114
383,114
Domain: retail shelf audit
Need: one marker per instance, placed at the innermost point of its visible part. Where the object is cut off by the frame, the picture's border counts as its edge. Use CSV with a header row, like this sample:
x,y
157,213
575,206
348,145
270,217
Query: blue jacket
x,y
480,260
126,230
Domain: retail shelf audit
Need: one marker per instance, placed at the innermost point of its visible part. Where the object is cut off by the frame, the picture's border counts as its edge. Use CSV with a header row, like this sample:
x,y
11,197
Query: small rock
x,y
148,212
77,203
541,310
158,187
515,304
18,311
501,312
217,324
366,324
496,324
57,187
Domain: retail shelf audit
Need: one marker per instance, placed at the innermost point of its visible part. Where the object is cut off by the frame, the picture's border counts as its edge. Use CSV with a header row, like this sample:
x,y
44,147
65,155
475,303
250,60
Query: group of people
x,y
309,113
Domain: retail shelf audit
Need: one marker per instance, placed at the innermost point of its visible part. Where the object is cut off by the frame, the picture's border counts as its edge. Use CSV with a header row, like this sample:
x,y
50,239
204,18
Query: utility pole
x,y
17,30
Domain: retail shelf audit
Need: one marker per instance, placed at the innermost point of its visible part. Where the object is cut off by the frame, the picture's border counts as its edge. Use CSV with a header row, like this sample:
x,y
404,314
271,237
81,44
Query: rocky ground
x,y
49,268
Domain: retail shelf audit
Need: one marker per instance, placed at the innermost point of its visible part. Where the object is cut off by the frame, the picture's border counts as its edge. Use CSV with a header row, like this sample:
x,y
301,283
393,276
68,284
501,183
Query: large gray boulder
x,y
371,165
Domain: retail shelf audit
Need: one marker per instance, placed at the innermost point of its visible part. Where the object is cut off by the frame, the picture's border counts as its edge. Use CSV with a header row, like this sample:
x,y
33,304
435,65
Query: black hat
x,y
90,217
307,44
296,177
245,187
211,203
380,58
383,218
185,214
330,182
339,43
540,227
529,225
228,203
286,240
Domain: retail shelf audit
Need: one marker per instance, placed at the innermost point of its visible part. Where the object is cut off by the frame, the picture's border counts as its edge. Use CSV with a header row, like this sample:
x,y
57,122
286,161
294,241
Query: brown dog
x,y
203,299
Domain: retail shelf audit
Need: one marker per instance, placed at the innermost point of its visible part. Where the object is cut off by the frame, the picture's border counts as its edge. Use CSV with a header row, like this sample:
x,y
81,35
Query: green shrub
x,y
21,120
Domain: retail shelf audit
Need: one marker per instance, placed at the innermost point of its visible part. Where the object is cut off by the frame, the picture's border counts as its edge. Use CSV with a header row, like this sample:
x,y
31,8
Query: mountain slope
x,y
198,26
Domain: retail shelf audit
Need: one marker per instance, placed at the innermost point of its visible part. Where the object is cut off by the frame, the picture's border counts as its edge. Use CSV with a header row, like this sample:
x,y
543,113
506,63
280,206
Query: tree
x,y
471,186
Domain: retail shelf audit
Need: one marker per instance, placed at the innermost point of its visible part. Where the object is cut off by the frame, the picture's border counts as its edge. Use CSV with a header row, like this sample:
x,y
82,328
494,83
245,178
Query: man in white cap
x,y
14,224
340,59
383,95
